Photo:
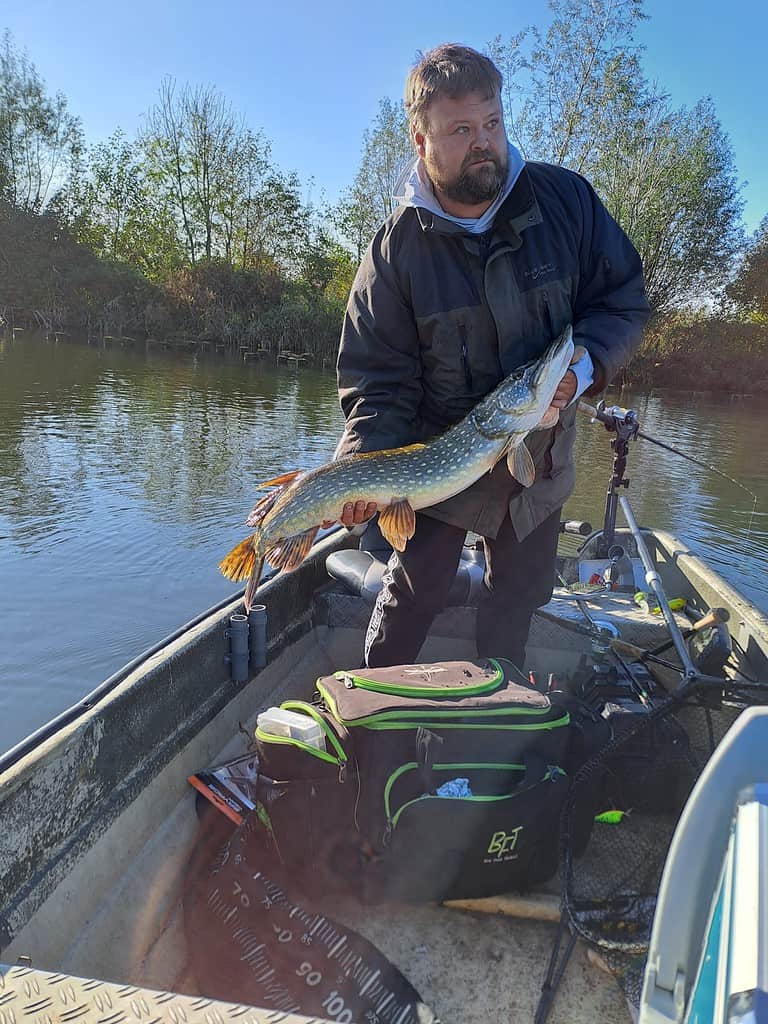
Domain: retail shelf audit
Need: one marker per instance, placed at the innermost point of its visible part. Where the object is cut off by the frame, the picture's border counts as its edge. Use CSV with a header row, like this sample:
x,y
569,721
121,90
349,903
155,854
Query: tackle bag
x,y
464,710
499,832
372,811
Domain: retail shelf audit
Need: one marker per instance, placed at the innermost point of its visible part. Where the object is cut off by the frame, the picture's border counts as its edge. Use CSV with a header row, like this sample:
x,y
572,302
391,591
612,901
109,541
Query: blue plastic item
x,y
456,788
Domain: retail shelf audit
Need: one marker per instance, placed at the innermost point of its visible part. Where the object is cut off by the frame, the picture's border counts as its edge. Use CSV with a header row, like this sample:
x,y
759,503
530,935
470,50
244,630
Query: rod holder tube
x,y
238,647
654,581
257,619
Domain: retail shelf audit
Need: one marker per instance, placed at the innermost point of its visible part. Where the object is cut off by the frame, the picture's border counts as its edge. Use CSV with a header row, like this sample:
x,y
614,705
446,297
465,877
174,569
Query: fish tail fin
x,y
253,584
241,561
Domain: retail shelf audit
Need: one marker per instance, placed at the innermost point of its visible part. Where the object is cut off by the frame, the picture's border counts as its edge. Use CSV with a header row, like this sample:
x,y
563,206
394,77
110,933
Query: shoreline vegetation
x,y
670,359
189,236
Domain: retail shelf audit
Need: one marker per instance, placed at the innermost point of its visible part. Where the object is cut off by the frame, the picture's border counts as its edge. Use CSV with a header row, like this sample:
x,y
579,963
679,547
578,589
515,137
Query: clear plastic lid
x,y
291,724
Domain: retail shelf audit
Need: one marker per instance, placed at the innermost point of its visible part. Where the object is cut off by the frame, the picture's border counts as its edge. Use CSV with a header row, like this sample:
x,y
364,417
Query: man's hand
x,y
354,514
566,389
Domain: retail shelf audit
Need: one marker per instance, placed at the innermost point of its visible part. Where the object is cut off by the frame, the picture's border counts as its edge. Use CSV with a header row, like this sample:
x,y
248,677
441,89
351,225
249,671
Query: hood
x,y
413,188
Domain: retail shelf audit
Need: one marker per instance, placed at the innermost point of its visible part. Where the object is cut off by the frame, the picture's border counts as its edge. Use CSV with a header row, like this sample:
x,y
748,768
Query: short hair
x,y
448,70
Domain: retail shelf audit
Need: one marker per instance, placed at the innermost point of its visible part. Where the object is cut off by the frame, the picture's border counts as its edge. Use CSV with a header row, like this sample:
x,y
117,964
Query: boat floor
x,y
468,967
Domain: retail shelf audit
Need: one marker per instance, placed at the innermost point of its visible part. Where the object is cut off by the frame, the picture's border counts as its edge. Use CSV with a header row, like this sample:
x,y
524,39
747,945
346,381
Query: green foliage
x,y
215,177
61,283
258,309
749,290
369,199
699,351
40,141
577,96
113,208
559,85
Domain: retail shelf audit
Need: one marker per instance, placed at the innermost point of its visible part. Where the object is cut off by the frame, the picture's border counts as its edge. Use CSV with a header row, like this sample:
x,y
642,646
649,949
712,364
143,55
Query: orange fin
x,y
281,481
262,508
292,551
240,561
398,523
264,505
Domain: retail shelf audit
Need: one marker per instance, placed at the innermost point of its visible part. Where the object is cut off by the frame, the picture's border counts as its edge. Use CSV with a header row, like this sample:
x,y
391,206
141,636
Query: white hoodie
x,y
414,188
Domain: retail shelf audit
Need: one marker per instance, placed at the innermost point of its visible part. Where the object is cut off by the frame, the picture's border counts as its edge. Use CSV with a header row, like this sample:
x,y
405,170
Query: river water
x,y
125,476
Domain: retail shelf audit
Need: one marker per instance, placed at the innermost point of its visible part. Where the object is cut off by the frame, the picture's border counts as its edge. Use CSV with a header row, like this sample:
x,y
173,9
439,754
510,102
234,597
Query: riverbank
x,y
702,354
60,287
710,355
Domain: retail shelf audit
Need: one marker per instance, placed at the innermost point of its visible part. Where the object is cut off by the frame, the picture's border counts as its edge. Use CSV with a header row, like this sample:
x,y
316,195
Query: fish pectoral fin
x,y
397,523
520,464
290,552
240,561
549,419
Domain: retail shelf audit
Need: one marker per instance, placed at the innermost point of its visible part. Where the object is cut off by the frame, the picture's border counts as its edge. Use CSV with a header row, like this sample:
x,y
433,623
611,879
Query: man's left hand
x,y
566,389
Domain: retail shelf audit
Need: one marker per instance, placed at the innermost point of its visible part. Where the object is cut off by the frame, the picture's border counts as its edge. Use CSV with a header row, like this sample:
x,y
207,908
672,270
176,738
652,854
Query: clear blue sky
x,y
311,74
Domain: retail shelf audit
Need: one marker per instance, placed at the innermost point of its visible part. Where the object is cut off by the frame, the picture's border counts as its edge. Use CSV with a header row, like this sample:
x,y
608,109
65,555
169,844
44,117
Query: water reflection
x,y
125,477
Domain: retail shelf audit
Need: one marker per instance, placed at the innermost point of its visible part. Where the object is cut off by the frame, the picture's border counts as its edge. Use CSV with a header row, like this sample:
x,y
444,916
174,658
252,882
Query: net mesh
x,y
647,772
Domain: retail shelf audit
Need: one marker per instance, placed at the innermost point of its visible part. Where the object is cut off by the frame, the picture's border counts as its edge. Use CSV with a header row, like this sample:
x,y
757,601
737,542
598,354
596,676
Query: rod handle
x,y
627,650
712,617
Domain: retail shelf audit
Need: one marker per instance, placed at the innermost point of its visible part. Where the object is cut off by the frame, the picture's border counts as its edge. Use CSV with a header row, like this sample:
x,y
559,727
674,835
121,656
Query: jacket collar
x,y
520,210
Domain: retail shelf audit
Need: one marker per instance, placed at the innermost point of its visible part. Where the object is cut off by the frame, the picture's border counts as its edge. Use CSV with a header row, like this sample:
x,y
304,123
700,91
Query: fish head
x,y
549,369
529,390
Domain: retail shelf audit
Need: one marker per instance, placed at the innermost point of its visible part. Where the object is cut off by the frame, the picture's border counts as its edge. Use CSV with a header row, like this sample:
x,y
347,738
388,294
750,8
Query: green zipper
x,y
322,755
428,796
308,709
374,723
488,685
436,719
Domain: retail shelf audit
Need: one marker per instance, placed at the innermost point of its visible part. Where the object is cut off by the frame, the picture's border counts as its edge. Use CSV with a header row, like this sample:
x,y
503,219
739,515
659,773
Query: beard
x,y
476,182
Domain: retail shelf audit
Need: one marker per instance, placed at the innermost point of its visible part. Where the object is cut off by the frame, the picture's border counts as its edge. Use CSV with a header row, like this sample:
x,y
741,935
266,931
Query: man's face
x,y
464,150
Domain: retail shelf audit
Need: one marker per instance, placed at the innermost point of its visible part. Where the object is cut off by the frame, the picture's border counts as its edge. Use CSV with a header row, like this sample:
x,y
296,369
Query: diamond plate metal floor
x,y
42,997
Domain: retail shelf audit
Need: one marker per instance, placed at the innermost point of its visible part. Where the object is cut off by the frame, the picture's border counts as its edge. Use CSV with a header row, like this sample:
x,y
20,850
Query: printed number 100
x,y
334,1004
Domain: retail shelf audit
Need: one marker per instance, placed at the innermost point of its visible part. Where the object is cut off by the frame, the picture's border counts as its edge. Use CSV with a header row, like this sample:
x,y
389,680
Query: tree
x,y
750,289
242,188
577,96
229,201
369,200
558,85
39,139
113,207
669,179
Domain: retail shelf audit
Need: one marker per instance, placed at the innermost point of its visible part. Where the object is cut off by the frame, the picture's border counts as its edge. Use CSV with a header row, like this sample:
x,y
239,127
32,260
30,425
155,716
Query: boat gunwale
x,y
61,797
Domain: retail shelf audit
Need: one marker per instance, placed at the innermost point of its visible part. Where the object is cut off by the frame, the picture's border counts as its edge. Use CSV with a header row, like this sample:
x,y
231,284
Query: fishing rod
x,y
625,425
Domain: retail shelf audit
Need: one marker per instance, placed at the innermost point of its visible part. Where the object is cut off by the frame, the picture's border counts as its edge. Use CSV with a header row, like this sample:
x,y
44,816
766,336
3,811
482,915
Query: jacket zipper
x,y
465,357
550,319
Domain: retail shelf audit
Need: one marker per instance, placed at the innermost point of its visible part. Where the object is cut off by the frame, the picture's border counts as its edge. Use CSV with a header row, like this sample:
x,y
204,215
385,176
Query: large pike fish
x,y
402,480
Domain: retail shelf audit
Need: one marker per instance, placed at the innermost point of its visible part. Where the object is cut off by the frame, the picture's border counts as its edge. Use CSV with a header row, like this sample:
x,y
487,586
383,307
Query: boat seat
x,y
361,573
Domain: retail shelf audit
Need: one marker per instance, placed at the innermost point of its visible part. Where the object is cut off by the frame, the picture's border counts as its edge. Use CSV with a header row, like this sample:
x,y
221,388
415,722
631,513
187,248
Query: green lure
x,y
611,817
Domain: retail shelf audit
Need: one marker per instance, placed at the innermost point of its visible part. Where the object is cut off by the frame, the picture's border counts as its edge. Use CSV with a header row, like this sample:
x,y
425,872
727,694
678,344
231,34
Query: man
x,y
485,261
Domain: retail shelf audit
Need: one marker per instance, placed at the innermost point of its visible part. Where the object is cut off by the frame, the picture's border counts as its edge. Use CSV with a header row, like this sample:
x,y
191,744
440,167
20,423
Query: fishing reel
x,y
622,422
